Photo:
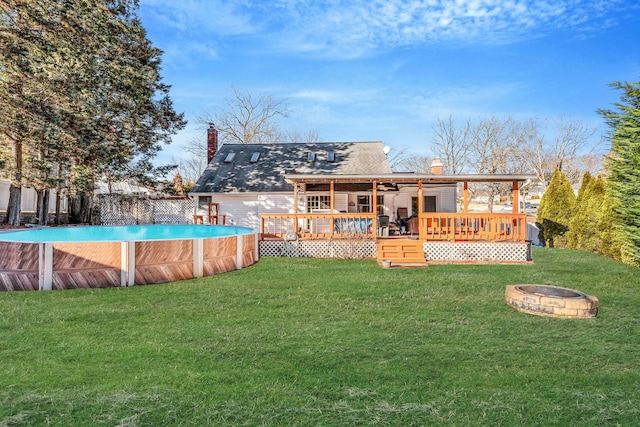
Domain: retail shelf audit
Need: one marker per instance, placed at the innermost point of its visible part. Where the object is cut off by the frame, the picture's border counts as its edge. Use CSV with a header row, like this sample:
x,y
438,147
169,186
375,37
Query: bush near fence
x,y
127,209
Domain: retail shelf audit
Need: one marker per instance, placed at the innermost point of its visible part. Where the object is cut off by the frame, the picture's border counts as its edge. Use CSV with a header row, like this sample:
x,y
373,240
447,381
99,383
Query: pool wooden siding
x,y
46,266
86,265
18,266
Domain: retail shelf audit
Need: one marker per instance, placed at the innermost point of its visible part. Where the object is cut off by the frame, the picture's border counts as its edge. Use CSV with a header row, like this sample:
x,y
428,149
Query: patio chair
x,y
402,218
383,225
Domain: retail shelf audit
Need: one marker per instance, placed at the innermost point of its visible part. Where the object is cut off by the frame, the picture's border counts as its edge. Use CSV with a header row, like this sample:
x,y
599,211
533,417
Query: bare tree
x,y
562,149
295,136
493,148
450,144
245,118
419,164
248,119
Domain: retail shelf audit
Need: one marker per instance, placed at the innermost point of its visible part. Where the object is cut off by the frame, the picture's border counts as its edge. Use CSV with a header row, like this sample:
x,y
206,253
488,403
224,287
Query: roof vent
x,y
254,157
311,156
331,156
229,157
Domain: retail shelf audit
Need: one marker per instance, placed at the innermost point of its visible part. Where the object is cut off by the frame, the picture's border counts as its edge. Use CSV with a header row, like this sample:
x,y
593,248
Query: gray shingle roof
x,y
276,160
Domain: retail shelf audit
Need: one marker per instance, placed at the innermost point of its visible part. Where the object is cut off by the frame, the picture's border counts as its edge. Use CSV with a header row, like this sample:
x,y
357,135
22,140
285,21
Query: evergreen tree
x,y
582,222
80,94
624,164
554,212
608,223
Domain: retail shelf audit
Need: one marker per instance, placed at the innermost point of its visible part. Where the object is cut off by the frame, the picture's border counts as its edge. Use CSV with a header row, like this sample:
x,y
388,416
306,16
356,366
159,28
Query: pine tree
x,y
624,164
81,90
554,212
581,224
608,222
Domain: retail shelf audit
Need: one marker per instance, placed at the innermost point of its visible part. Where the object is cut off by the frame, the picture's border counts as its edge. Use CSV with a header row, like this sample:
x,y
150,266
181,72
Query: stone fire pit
x,y
553,301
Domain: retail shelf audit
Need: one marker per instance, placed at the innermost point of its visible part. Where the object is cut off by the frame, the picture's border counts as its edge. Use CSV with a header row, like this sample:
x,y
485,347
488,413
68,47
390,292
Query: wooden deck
x,y
436,226
401,252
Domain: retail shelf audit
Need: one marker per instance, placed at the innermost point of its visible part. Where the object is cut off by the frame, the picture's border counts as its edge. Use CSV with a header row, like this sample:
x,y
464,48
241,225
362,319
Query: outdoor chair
x,y
402,218
383,225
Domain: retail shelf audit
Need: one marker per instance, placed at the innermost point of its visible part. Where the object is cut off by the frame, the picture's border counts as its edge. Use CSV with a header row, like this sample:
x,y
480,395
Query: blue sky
x,y
365,70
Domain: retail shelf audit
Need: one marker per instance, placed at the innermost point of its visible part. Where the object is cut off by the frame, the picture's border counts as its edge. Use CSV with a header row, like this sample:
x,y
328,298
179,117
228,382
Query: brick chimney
x,y
436,167
212,142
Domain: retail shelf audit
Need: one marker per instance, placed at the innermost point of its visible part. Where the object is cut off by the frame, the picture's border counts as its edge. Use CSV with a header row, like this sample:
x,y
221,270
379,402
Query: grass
x,y
326,343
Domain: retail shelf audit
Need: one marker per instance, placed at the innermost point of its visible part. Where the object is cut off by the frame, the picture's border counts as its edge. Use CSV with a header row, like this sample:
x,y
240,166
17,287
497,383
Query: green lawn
x,y
327,343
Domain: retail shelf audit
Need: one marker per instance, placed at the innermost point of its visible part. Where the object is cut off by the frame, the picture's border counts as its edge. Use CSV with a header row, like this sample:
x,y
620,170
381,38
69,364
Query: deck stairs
x,y
401,252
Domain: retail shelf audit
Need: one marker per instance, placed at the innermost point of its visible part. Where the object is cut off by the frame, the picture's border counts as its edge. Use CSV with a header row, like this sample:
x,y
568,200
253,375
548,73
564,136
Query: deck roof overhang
x,y
405,178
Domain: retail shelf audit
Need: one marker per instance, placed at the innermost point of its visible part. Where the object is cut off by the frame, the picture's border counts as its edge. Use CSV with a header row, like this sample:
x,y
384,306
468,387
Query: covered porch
x,y
423,229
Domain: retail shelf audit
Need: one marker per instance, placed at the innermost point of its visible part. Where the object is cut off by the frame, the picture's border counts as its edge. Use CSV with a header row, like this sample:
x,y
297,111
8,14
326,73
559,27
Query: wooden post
x,y
516,203
421,230
374,208
332,203
465,197
295,209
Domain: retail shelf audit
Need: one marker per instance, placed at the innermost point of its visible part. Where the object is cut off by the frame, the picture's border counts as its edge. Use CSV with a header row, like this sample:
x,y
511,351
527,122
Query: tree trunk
x,y
13,208
15,190
43,207
79,208
58,221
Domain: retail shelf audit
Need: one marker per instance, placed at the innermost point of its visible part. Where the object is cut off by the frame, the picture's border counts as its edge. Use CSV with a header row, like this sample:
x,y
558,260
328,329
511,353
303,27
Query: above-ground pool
x,y
106,256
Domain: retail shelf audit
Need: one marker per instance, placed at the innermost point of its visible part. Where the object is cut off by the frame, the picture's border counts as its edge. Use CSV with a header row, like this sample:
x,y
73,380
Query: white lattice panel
x,y
319,249
477,251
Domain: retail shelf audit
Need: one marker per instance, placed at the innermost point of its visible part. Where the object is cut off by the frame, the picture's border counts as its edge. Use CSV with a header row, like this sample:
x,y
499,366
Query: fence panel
x,y
121,209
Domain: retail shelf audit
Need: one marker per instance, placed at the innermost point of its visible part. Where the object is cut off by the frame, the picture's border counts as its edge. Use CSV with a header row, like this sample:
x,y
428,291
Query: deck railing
x,y
473,226
318,226
431,226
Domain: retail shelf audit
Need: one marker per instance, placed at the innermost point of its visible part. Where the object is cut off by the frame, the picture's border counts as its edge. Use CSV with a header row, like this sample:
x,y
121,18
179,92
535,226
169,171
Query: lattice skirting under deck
x,y
477,252
437,252
356,249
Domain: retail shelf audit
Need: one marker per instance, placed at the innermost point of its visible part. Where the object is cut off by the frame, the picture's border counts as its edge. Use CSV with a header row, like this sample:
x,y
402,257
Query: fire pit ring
x,y
552,301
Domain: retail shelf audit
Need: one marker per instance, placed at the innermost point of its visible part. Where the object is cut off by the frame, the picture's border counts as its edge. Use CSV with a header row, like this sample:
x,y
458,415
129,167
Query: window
x,y
311,156
254,157
364,204
429,204
331,156
318,202
203,203
229,157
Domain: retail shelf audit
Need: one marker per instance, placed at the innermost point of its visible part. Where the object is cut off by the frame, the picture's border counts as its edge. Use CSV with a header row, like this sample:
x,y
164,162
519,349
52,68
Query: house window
x,y
429,204
364,204
254,157
380,205
318,202
311,156
203,204
229,157
331,156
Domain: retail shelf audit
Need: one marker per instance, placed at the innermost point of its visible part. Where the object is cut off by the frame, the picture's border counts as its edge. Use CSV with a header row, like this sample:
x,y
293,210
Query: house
x,y
249,180
342,199
29,203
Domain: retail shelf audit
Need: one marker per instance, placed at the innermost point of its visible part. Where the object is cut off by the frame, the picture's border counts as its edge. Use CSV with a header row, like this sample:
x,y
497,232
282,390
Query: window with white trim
x,y
318,202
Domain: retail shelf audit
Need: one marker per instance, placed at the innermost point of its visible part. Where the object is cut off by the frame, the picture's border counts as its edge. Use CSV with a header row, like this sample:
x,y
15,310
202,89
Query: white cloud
x,y
200,16
355,28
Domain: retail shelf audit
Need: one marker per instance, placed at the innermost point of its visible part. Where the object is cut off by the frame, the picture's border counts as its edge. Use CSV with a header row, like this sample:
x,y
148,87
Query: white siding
x,y
341,202
28,199
447,199
239,210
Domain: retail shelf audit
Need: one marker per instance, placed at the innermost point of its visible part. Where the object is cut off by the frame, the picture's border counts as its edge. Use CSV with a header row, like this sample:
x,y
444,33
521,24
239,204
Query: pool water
x,y
121,233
